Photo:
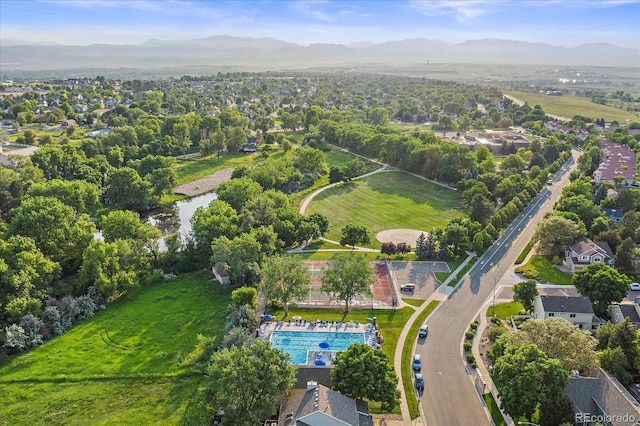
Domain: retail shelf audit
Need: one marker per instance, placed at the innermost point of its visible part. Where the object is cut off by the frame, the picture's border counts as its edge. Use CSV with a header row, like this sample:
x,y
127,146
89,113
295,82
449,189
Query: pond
x,y
176,217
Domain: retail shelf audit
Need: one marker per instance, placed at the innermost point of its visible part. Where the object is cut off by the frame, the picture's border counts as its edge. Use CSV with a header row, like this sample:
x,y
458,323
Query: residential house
x,y
618,165
575,309
613,215
251,146
601,400
619,311
585,252
321,406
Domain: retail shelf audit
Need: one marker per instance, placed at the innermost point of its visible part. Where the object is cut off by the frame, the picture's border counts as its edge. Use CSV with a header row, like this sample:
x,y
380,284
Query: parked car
x,y
424,329
417,364
419,382
408,287
635,286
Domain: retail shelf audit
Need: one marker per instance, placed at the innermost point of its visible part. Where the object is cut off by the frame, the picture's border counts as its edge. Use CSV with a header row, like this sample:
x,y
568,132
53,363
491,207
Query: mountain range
x,y
272,54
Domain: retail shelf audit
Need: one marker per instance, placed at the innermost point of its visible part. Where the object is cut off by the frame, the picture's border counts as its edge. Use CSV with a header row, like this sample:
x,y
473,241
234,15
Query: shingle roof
x,y
322,399
575,304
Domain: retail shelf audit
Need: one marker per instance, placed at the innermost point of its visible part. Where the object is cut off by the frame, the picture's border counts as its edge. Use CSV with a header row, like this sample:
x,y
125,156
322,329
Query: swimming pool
x,y
297,343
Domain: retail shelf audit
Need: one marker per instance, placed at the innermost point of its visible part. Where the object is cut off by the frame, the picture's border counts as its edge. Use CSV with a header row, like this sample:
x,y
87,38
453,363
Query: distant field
x,y
386,201
132,363
569,106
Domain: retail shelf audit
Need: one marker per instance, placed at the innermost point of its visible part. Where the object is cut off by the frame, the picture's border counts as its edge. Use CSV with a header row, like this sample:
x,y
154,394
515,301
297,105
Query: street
x,y
450,397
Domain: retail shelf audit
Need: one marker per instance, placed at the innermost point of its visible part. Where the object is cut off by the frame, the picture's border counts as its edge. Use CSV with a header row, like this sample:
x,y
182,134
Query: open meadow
x,y
133,363
386,201
570,106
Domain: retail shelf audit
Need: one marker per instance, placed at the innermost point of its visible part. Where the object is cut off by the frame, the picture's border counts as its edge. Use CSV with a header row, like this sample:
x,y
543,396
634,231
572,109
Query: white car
x,y
635,286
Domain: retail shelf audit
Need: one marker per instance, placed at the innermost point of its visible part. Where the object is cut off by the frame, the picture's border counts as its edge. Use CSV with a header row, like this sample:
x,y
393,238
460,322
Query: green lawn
x,y
386,201
413,302
495,412
132,363
541,268
504,311
569,106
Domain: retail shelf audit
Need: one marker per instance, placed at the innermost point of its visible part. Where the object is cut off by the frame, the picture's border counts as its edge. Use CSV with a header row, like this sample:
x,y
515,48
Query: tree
x,y
237,192
363,372
614,361
285,279
126,225
181,136
110,267
245,296
55,227
354,234
235,137
78,194
388,248
556,233
126,189
557,411
263,123
240,256
309,160
335,174
558,339
245,381
602,284
528,378
525,292
354,168
163,181
208,223
624,258
218,142
480,209
347,276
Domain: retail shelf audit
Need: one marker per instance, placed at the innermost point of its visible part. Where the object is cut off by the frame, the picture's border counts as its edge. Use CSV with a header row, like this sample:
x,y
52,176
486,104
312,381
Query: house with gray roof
x,y
575,309
601,399
321,406
619,311
585,252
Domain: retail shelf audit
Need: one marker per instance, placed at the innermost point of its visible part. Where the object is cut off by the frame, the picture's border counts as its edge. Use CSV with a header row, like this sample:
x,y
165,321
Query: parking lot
x,y
419,273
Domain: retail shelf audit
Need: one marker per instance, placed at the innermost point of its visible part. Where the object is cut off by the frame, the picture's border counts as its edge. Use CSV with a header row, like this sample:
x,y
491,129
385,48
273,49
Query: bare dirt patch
x,y
205,184
409,236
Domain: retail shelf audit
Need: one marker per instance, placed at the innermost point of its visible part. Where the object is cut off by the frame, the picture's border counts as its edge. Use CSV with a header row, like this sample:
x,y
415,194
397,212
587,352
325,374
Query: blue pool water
x,y
297,343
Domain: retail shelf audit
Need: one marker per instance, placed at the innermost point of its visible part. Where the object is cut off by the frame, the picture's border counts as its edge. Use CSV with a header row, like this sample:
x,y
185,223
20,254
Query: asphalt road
x,y
449,397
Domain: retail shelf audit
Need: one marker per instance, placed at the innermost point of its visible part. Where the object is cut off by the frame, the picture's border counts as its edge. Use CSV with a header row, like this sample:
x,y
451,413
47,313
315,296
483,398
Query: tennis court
x,y
382,289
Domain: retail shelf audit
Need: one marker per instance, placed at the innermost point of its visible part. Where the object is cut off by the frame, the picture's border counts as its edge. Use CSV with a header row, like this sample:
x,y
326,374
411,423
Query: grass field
x,y
569,106
540,268
504,311
132,363
386,201
495,412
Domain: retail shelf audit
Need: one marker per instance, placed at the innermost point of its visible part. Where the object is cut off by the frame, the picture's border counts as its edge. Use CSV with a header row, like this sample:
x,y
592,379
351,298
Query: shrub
x,y
495,332
470,358
474,325
236,336
31,327
83,308
469,335
467,346
51,319
15,339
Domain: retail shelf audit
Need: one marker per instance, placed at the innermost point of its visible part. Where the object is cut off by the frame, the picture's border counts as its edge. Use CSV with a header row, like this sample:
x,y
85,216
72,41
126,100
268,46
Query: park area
x,y
132,363
387,200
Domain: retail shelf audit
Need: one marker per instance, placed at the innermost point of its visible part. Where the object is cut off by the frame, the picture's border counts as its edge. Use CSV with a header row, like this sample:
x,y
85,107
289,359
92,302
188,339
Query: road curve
x,y
450,398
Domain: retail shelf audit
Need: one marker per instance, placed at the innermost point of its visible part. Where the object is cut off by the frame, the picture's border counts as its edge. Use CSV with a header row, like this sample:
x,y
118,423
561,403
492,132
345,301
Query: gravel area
x,y
205,184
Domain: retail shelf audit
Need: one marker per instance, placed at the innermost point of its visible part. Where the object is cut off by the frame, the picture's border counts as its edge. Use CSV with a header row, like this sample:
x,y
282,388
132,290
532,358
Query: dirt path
x,y
205,184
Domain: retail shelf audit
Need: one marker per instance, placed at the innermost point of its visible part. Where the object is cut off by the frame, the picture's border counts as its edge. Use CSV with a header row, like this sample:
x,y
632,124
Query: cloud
x,y
314,9
460,10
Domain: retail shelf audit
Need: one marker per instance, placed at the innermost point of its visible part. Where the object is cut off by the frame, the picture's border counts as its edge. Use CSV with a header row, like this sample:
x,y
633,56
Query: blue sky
x,y
558,22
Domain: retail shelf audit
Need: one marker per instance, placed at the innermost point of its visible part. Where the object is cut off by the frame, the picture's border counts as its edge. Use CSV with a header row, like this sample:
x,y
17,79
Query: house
x,y
585,252
601,400
619,311
613,215
575,309
321,406
618,165
251,147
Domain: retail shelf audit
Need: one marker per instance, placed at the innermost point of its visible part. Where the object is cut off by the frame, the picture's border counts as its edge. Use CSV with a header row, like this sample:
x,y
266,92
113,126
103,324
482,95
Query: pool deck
x,y
267,328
